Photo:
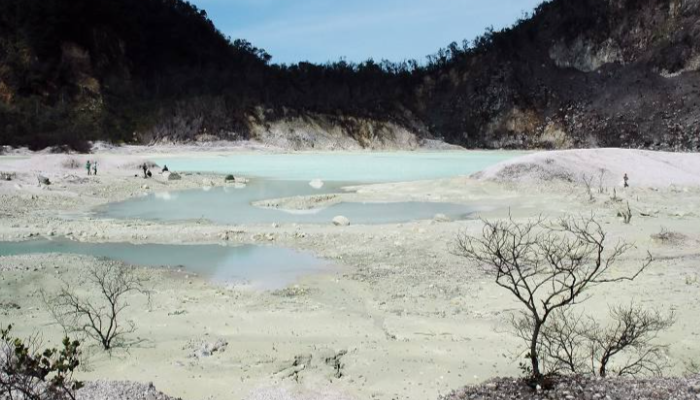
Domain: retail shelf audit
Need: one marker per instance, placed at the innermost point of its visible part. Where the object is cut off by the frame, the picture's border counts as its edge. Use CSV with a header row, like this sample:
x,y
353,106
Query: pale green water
x,y
347,167
261,266
287,175
233,206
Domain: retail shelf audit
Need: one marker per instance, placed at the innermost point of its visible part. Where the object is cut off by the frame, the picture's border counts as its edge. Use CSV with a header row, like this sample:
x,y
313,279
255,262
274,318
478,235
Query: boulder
x,y
43,180
172,176
341,221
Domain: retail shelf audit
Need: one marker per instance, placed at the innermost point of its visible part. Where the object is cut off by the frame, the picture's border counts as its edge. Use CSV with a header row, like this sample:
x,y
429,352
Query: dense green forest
x,y
574,73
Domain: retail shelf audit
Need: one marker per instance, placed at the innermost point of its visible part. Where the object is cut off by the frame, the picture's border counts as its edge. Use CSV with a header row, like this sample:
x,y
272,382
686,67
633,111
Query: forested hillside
x,y
577,73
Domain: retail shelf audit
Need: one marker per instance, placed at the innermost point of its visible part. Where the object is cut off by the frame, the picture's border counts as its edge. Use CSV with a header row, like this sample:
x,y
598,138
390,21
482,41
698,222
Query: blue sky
x,y
326,30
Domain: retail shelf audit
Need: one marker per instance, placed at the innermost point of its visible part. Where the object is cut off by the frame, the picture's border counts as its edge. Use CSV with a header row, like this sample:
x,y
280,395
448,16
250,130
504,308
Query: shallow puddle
x,y
229,205
262,267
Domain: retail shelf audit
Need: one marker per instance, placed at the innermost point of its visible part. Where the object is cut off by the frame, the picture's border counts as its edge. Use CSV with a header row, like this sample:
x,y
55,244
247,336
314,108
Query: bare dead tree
x,y
99,318
546,266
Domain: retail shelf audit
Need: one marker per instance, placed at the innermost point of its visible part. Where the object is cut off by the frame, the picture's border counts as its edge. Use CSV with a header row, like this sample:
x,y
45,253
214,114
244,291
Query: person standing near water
x,y
94,167
626,179
87,166
145,168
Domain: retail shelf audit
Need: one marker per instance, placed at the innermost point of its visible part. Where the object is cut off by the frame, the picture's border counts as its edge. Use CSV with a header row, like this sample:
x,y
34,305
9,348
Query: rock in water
x,y
441,218
316,183
173,176
341,221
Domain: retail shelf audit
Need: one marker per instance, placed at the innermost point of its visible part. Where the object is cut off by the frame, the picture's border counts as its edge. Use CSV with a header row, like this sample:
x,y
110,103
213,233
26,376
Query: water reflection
x,y
260,266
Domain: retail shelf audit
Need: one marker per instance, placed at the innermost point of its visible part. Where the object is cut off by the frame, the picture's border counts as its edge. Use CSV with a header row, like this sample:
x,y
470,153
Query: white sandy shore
x,y
404,318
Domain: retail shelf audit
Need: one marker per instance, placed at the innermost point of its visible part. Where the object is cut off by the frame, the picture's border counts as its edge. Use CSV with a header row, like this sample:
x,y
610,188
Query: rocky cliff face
x,y
206,120
578,73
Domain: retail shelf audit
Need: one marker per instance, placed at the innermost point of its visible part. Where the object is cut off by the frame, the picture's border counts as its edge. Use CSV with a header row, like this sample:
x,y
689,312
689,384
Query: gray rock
x,y
120,390
581,387
43,180
341,221
173,176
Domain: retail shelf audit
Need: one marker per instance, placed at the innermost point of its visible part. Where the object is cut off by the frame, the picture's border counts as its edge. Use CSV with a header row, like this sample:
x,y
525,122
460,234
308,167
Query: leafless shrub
x,y
575,344
7,176
614,196
631,336
588,183
99,319
692,367
601,180
546,266
625,214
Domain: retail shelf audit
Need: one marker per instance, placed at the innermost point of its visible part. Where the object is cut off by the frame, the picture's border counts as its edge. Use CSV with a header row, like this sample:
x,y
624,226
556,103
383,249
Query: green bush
x,y
28,372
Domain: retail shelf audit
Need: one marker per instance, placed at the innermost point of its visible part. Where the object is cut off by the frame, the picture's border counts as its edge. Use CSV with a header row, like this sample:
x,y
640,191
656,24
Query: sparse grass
x,y
667,236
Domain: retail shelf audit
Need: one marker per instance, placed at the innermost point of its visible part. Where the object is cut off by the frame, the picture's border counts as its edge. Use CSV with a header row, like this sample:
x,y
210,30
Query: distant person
x,y
165,169
145,169
88,167
626,180
94,167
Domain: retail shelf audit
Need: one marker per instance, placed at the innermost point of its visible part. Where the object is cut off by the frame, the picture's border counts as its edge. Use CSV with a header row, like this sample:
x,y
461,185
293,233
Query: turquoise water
x,y
287,175
233,206
261,266
348,167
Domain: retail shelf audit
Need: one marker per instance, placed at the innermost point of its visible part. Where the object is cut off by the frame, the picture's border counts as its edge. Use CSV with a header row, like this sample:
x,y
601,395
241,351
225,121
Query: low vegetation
x,y
30,372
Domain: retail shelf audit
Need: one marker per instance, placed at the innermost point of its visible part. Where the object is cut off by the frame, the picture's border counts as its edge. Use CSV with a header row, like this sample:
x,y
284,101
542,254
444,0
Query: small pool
x,y
262,267
229,205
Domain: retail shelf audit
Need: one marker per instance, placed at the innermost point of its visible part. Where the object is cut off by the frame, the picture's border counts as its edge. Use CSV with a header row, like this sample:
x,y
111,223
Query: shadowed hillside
x,y
578,73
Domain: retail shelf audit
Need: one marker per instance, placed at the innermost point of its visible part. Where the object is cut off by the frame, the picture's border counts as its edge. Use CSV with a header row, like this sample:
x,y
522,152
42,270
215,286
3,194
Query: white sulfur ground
x,y
644,168
404,319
